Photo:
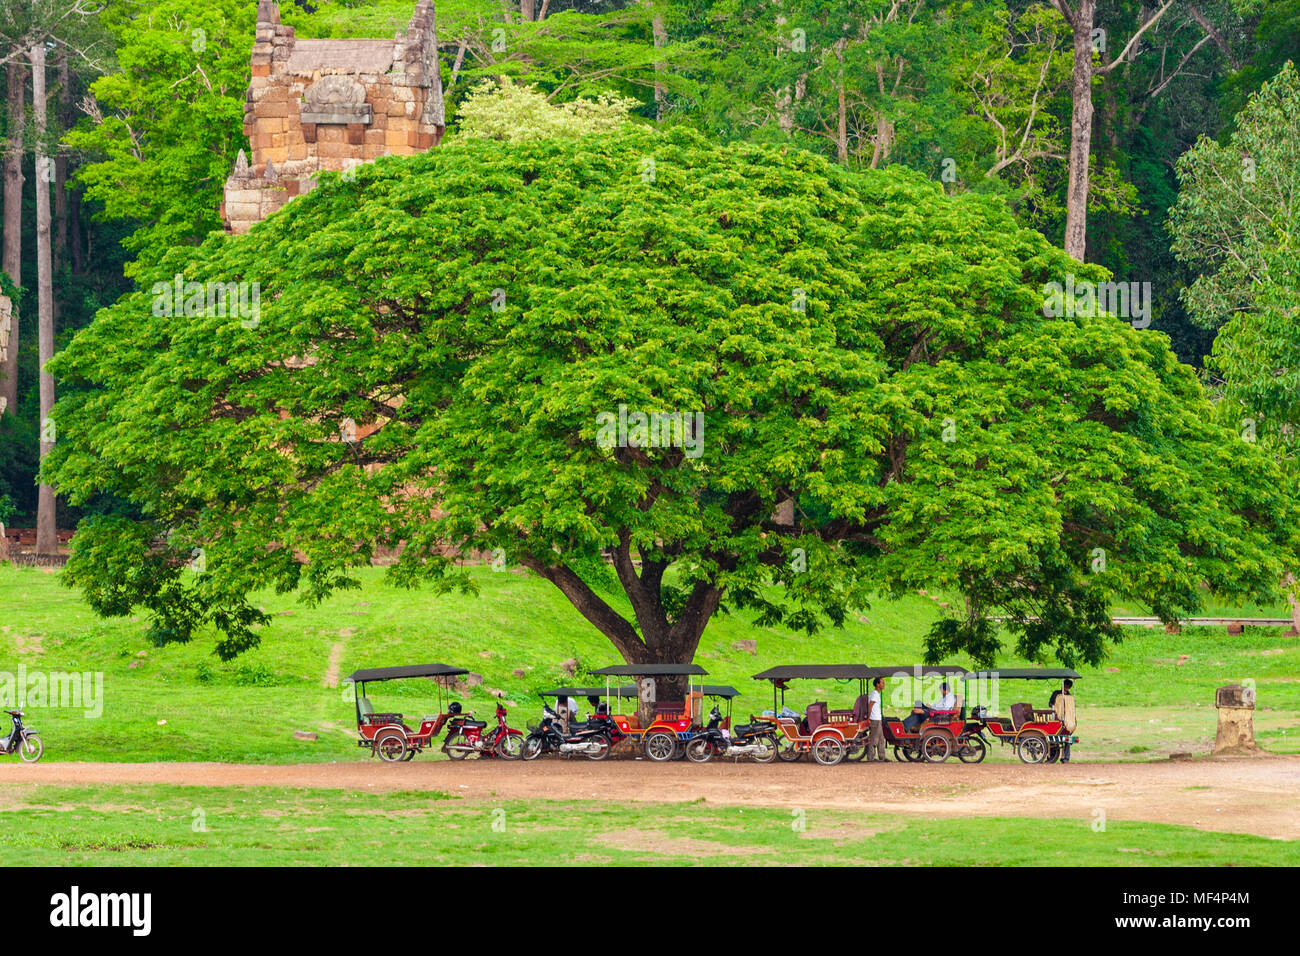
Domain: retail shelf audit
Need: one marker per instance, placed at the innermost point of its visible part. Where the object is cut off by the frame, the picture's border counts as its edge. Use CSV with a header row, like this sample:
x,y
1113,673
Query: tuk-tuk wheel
x,y
972,751
898,754
1053,753
1032,747
660,746
828,751
409,755
390,746
788,750
936,747
912,754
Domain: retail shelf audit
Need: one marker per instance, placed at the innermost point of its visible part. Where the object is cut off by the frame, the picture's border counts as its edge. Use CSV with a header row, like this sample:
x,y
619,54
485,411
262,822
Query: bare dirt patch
x,y
660,843
1236,795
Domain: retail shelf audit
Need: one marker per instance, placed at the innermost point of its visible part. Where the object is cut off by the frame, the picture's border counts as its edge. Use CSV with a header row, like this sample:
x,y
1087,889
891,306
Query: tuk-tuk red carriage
x,y
942,733
388,737
674,722
829,735
1038,735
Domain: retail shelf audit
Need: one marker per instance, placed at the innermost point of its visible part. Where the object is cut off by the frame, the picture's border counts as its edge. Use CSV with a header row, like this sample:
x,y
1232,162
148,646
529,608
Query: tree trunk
x,y
842,120
1076,197
1294,601
660,41
47,537
528,10
75,243
13,225
60,255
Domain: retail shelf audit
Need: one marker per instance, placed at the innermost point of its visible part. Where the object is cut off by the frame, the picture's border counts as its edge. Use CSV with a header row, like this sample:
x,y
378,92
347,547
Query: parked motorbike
x,y
592,739
22,740
467,736
756,741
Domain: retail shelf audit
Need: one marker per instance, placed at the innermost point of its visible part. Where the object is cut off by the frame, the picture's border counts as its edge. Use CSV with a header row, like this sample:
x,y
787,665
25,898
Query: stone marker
x,y
1236,733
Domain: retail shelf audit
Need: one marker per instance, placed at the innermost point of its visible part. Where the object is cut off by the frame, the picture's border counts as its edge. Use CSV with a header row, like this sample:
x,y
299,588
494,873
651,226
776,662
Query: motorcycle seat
x,y
475,724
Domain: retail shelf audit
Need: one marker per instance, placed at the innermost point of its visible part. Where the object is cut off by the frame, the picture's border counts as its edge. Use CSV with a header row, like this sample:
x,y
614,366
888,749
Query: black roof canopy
x,y
397,673
651,670
815,672
628,690
1029,673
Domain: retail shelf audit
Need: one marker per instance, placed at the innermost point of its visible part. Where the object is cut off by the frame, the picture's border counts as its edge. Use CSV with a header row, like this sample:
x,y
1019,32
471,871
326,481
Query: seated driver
x,y
947,701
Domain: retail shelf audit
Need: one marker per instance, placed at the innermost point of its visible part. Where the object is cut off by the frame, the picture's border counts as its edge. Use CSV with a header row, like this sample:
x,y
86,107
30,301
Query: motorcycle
x,y
756,740
22,740
466,736
592,739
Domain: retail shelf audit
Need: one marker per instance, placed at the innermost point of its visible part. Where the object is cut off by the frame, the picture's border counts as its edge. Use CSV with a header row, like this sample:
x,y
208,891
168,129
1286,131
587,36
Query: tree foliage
x,y
441,342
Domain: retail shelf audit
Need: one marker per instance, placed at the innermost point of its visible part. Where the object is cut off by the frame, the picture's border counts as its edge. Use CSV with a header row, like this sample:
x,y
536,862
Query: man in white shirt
x,y
876,741
947,701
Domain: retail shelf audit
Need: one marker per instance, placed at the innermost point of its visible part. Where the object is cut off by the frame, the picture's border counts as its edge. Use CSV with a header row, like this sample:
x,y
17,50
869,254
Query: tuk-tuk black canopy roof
x,y
626,691
629,690
855,671
396,673
1029,673
651,670
815,672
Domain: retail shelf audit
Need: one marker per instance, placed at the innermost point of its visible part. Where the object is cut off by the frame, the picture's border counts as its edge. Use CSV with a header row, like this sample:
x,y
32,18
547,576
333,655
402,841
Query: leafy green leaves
x,y
884,404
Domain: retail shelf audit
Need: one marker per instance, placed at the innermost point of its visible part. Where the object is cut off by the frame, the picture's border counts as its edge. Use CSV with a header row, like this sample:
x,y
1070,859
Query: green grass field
x,y
271,826
1152,697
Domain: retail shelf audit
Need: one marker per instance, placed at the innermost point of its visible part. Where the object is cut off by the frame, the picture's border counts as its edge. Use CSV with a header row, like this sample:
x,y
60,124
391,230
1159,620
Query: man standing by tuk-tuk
x,y
876,739
1062,704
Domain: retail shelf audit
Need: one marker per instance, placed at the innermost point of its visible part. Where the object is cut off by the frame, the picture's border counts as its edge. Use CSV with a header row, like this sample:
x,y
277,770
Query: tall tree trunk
x,y
842,119
1076,197
75,241
13,224
1295,604
660,41
47,537
61,168
528,10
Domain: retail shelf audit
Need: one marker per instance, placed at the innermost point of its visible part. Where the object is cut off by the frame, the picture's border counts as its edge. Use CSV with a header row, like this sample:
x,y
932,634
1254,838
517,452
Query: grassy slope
x,y
247,711
264,826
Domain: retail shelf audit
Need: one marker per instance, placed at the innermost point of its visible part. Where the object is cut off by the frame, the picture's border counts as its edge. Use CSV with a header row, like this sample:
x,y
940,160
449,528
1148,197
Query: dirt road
x,y
1237,795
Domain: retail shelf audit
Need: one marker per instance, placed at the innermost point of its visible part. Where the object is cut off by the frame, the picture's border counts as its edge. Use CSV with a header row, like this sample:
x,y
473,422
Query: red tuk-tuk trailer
x,y
386,734
1037,734
675,721
829,735
943,733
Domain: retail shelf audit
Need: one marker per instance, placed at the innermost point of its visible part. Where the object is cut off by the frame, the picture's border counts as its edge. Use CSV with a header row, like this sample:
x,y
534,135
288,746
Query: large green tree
x,y
443,342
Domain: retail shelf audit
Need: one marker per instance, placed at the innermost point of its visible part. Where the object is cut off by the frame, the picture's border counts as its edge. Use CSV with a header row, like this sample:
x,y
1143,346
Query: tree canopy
x,y
443,342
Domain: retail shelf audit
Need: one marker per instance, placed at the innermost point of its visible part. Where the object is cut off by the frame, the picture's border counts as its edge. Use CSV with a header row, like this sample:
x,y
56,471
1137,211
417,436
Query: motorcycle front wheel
x,y
532,748
31,748
699,750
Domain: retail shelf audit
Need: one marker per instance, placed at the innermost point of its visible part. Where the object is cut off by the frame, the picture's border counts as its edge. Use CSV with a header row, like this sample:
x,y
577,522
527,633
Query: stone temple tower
x,y
317,105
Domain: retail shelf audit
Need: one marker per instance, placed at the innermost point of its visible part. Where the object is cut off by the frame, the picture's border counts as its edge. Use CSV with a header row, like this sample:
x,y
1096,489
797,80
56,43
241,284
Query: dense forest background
x,y
143,104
